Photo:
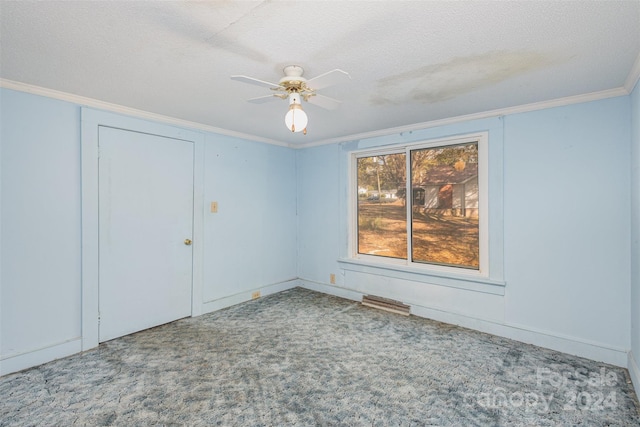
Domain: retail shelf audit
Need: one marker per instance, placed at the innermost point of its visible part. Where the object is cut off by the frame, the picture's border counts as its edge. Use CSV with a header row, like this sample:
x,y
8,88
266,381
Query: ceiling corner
x,y
634,76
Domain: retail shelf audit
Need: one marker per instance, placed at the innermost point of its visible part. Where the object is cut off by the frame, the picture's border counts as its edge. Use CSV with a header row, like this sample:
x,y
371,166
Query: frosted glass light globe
x,y
296,119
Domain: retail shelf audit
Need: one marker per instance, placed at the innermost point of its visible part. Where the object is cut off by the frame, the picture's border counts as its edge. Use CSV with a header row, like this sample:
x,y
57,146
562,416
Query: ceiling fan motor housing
x,y
293,71
293,80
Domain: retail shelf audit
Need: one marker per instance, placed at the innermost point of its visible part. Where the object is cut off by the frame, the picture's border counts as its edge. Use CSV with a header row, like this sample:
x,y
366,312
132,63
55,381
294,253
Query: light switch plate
x,y
214,207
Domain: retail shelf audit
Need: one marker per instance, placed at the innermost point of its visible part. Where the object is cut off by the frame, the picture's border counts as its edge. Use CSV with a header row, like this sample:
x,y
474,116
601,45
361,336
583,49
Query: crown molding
x,y
559,102
634,76
115,108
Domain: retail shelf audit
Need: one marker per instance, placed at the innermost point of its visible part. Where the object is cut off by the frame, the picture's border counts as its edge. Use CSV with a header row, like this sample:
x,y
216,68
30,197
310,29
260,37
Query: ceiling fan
x,y
297,88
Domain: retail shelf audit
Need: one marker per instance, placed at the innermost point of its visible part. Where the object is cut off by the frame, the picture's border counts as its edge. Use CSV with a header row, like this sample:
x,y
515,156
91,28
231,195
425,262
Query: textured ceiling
x,y
410,62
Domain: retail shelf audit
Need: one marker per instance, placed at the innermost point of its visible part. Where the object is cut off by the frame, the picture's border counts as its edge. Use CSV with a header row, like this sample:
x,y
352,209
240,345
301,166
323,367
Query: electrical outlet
x,y
255,295
332,279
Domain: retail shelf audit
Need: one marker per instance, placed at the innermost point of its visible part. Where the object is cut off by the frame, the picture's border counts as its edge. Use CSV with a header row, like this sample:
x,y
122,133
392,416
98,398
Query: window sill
x,y
460,281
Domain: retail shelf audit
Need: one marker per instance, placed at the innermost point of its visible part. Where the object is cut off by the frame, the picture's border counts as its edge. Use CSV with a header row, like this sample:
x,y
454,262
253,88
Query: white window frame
x,y
483,208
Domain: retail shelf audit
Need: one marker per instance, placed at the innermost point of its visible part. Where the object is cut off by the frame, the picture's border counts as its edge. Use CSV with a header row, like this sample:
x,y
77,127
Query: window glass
x,y
444,214
381,207
443,218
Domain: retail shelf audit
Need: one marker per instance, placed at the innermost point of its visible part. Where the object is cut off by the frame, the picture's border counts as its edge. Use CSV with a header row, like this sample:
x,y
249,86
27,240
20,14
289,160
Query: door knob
x,y
187,242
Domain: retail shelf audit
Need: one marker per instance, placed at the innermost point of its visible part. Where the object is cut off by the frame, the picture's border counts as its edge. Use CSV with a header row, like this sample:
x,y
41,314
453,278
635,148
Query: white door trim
x,y
90,120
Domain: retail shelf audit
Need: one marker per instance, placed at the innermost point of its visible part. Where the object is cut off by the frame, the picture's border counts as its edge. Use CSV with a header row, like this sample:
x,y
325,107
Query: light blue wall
x,y
40,243
566,231
251,241
319,215
250,244
567,221
635,234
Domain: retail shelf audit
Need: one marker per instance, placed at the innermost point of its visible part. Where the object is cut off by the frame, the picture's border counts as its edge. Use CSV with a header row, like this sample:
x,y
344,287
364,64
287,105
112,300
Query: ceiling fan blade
x,y
329,78
324,102
263,99
253,81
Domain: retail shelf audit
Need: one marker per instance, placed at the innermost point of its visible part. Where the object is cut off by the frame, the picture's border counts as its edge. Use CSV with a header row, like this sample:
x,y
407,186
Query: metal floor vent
x,y
386,304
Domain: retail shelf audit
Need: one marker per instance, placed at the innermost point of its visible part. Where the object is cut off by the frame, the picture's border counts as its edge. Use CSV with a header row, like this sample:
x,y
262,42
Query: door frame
x,y
91,120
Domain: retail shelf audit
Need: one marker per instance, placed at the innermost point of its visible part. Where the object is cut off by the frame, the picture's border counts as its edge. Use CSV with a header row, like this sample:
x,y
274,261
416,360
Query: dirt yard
x,y
436,239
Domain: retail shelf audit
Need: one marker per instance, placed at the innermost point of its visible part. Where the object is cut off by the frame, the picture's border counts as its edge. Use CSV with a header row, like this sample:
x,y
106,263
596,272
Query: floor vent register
x,y
386,304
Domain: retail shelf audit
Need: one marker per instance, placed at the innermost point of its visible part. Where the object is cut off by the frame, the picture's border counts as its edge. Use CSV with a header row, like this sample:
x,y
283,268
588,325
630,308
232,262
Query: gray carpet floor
x,y
301,358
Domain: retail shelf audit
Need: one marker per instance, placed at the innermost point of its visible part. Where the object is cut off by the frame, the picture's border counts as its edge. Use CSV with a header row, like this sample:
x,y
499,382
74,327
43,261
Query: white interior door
x,y
145,215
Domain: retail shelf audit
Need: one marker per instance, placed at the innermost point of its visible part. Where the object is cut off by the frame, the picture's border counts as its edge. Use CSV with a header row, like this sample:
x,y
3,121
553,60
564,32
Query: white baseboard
x,y
634,372
244,296
331,290
29,359
569,345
